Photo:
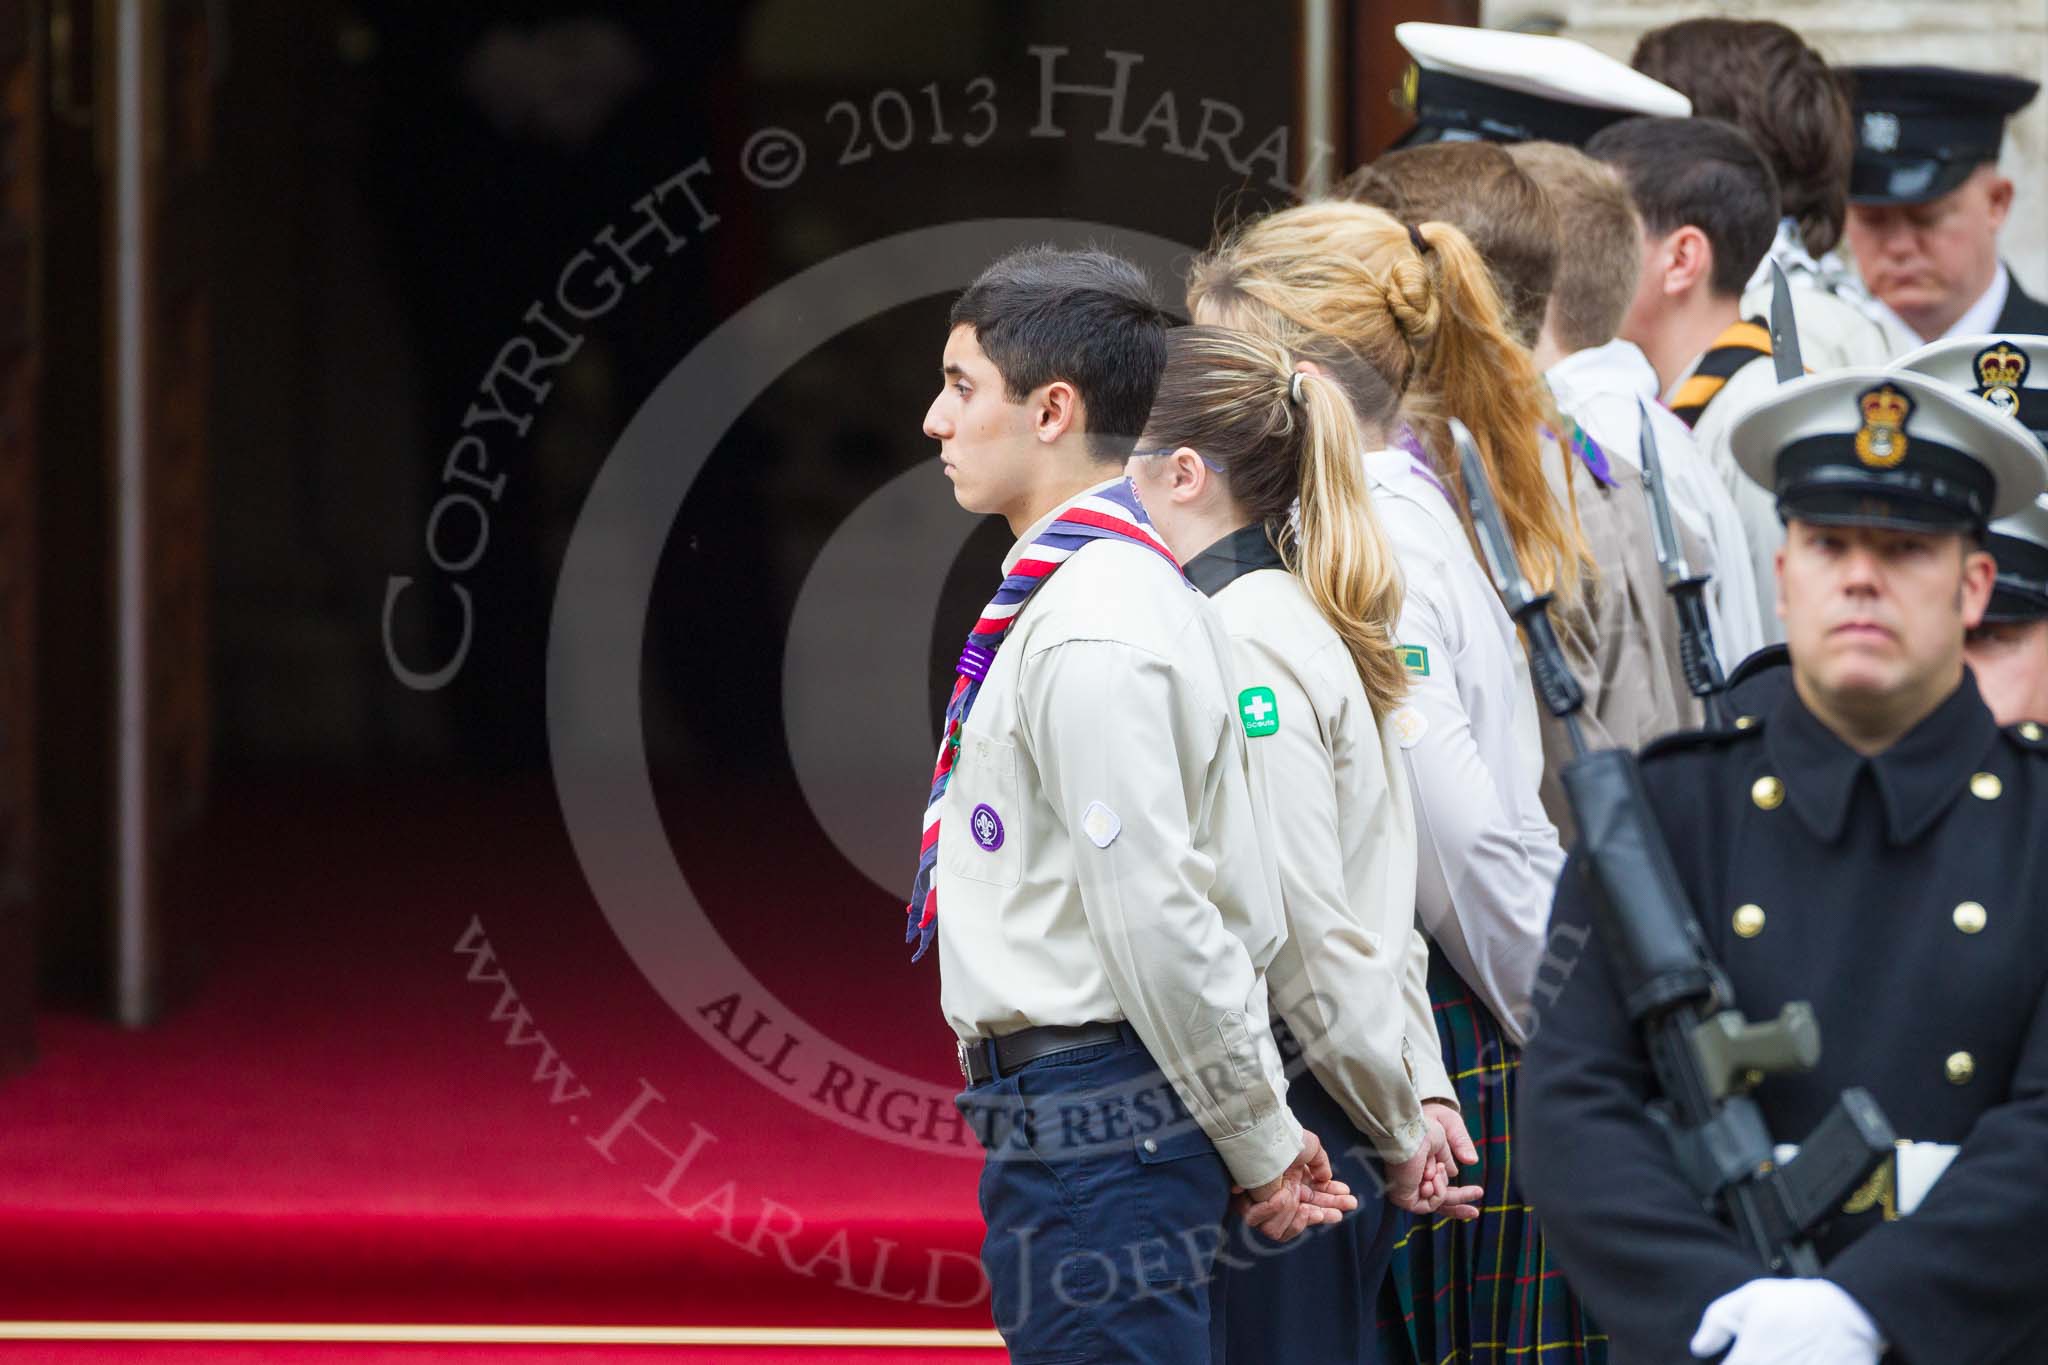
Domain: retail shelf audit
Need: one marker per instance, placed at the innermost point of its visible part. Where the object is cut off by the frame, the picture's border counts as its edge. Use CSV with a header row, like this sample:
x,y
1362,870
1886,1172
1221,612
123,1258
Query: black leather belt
x,y
1013,1050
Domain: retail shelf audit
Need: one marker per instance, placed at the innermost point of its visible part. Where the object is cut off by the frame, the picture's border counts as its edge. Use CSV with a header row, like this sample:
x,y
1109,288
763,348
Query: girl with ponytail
x,y
1402,318
1253,472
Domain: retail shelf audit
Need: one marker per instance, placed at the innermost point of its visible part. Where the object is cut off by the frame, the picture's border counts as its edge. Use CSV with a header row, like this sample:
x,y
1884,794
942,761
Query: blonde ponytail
x,y
1414,331
1473,370
1230,395
1340,553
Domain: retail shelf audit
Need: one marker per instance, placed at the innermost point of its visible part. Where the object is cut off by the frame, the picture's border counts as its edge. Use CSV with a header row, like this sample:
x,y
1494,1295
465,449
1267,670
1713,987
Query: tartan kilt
x,y
1485,1292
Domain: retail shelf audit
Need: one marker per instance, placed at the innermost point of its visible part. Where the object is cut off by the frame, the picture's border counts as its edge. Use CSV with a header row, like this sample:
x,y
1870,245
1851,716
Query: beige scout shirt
x,y
1129,878
1335,798
1621,639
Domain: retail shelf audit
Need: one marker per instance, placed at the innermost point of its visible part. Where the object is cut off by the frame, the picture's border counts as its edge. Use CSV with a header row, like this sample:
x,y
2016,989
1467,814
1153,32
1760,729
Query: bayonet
x,y
1688,590
1784,328
1555,685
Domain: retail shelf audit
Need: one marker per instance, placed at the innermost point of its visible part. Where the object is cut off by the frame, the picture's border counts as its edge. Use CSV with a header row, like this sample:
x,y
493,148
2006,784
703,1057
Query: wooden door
x,y
21,146
1378,65
163,57
122,564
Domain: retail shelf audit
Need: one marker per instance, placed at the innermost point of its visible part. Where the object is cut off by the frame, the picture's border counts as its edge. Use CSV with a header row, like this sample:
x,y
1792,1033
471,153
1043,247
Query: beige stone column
x,y
2011,38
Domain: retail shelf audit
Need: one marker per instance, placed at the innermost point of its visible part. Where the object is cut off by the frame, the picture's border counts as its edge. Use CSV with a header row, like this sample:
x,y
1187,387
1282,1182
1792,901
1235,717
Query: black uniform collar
x,y
1917,778
1245,550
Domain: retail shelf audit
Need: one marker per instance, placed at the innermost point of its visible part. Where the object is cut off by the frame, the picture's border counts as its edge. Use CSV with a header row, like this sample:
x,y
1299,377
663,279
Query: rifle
x,y
1695,632
1707,1056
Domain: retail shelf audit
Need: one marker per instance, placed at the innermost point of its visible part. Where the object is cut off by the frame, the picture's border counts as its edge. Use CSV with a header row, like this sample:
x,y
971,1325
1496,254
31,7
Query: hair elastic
x,y
1294,386
1422,247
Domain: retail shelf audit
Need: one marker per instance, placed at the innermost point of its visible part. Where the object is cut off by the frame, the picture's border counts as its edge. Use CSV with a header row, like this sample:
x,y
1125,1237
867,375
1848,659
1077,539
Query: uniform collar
x,y
1917,779
1982,316
1607,368
1245,550
1979,317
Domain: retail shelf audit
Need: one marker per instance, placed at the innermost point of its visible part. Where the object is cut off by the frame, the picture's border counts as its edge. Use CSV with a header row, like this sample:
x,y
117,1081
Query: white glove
x,y
1789,1322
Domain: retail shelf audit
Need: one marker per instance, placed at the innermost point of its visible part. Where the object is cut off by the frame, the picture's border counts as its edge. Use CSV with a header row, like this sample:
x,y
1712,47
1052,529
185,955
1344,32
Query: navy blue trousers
x,y
1105,1206
1314,1300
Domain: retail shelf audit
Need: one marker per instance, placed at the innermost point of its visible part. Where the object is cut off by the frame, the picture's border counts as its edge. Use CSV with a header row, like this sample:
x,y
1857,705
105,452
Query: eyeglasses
x,y
1168,450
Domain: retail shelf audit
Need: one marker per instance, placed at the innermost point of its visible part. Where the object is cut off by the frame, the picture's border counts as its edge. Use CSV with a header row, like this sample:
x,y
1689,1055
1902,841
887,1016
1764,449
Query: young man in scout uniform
x,y
1766,80
1709,204
2009,651
1606,383
1091,866
1926,200
1869,843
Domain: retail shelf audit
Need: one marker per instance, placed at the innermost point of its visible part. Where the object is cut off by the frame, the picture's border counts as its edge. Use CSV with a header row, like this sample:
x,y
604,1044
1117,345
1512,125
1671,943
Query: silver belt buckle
x,y
960,1055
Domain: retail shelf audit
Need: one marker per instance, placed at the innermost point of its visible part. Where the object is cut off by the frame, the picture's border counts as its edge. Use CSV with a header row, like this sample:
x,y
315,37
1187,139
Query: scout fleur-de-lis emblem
x,y
1882,441
1881,131
2001,369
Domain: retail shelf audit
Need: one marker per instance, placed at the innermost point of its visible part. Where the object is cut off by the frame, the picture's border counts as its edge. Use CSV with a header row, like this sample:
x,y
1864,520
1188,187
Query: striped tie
x,y
1108,513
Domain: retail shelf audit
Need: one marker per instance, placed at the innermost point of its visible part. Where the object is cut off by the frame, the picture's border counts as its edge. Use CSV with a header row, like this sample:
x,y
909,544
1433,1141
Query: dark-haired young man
x,y
1710,208
1091,864
1763,77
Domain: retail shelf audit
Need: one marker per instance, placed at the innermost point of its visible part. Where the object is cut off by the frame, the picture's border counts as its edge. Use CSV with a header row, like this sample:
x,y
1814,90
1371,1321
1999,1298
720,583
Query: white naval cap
x,y
2019,545
2010,375
1888,448
2010,372
1494,85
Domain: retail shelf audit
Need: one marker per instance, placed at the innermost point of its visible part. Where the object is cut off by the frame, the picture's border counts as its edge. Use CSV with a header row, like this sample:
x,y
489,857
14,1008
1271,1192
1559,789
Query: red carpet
x,y
335,1129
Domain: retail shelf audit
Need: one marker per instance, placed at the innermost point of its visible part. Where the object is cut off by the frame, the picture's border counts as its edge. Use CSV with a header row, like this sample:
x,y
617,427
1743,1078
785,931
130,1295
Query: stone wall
x,y
2012,38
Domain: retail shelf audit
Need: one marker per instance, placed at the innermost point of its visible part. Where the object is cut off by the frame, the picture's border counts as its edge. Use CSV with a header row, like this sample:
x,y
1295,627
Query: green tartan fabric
x,y
1481,1293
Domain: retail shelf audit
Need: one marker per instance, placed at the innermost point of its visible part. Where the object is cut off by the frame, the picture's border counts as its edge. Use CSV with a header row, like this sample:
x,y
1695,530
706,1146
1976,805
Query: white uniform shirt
x,y
1600,386
1487,857
1335,800
1123,874
1757,505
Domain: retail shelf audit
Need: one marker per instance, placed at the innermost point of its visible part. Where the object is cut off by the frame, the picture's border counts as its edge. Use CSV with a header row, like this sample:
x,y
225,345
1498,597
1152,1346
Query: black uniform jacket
x,y
1859,867
2022,312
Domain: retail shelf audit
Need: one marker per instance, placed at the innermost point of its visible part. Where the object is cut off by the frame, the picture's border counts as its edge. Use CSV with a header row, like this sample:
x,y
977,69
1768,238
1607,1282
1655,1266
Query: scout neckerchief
x,y
1418,460
1108,513
1733,349
1588,450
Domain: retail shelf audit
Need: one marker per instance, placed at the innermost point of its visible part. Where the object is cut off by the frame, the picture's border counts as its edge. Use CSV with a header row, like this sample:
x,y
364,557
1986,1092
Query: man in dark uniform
x,y
1926,200
1870,843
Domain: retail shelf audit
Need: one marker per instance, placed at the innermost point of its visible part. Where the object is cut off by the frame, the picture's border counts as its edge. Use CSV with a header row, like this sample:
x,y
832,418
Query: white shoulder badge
x,y
1409,725
1100,824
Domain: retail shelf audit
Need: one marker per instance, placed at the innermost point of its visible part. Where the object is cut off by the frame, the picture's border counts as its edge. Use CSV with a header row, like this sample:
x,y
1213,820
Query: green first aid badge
x,y
1258,711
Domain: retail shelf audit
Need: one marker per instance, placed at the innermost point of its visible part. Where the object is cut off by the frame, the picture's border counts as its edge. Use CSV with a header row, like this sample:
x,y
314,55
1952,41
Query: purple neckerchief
x,y
1586,448
1405,439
